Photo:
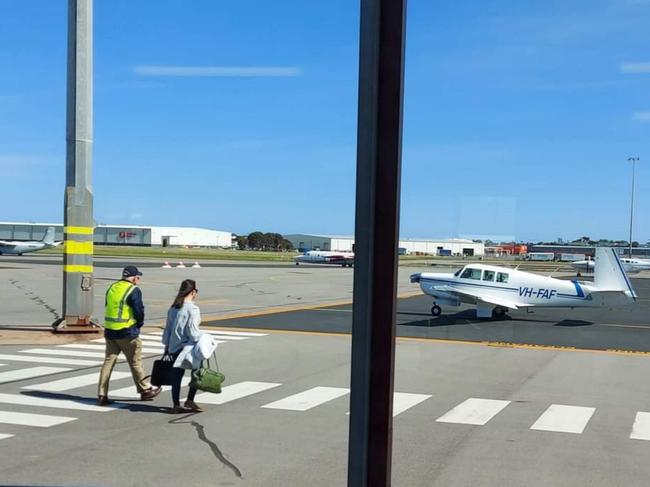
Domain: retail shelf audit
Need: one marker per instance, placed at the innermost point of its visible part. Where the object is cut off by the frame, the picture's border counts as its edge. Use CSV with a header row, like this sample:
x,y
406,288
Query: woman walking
x,y
181,330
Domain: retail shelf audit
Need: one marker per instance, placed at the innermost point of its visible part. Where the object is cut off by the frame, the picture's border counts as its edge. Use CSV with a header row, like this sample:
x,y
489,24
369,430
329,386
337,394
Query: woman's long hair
x,y
187,286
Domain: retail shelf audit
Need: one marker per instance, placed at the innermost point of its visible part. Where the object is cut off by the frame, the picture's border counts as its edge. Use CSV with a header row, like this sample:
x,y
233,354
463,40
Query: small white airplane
x,y
496,290
19,247
630,265
344,259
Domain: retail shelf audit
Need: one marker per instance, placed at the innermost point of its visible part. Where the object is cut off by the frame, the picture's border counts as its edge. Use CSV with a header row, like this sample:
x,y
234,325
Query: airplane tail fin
x,y
49,236
609,274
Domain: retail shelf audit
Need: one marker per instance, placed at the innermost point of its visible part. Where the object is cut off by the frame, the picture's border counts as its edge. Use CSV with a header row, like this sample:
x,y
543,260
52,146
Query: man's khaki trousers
x,y
132,349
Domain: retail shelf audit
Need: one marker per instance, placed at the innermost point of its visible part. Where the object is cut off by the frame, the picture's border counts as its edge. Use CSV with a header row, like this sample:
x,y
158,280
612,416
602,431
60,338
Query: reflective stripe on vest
x,y
119,314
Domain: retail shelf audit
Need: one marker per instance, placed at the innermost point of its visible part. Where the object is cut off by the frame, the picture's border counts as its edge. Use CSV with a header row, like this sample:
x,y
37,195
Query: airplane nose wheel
x,y
436,310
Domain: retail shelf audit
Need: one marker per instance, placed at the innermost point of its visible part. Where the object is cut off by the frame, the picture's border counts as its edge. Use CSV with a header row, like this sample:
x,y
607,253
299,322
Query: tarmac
x,y
554,398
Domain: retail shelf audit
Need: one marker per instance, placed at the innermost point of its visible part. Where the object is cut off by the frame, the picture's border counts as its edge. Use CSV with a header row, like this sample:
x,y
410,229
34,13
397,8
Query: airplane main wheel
x,y
499,312
436,310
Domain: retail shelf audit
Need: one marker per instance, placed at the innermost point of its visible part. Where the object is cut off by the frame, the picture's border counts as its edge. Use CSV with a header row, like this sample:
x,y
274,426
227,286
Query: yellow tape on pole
x,y
86,269
78,248
79,230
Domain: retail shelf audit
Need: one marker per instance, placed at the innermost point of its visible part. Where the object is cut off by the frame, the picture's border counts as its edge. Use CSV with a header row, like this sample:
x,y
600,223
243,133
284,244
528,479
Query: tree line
x,y
263,241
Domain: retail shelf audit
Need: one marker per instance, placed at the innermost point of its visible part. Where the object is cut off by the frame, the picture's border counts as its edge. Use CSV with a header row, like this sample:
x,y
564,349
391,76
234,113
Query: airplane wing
x,y
479,298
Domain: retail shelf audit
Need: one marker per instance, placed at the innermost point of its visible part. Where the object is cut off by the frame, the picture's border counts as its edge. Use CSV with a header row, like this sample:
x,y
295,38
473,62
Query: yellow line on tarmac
x,y
293,307
524,346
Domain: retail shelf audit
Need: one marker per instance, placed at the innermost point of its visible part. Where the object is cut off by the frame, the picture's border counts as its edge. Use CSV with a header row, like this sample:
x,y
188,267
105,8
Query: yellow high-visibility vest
x,y
119,314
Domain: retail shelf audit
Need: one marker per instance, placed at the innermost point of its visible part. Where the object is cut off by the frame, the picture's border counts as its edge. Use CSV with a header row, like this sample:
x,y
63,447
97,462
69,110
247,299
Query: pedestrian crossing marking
x,y
474,411
47,360
131,392
29,373
145,343
145,349
29,419
64,353
215,335
403,401
74,382
641,427
564,419
4,436
308,399
46,402
235,333
235,391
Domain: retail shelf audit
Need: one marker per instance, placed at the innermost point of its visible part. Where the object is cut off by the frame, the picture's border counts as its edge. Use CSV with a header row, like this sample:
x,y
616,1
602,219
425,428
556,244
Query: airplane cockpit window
x,y
488,275
502,277
457,273
470,273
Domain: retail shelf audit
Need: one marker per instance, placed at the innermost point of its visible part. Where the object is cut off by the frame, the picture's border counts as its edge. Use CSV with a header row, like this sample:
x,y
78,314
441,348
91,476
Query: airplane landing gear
x,y
499,312
436,310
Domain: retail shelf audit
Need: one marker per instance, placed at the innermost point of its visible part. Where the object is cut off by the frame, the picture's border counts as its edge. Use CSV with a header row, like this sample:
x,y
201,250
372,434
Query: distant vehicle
x,y
496,290
344,259
18,247
572,257
541,256
631,266
444,252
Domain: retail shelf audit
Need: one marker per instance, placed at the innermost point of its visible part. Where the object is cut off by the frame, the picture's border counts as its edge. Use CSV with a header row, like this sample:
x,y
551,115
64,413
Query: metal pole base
x,y
76,324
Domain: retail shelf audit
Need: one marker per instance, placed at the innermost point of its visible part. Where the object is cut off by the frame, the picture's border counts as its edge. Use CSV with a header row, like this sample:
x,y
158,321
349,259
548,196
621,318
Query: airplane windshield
x,y
457,273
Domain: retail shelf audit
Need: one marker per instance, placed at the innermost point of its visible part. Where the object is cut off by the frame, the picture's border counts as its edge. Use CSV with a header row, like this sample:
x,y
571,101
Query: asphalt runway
x,y
149,263
621,329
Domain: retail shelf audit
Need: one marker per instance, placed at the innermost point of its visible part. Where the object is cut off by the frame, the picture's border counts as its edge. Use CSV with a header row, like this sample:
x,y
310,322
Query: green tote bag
x,y
206,379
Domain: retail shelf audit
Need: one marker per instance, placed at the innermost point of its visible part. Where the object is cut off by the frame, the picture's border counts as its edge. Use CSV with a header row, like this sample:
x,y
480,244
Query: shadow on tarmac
x,y
133,405
200,431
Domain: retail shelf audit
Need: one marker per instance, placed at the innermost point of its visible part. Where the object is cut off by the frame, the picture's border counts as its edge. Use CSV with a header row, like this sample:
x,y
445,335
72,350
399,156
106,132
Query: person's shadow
x,y
200,431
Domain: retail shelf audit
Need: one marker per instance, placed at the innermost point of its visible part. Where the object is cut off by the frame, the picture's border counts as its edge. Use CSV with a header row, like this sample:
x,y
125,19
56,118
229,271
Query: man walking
x,y
123,319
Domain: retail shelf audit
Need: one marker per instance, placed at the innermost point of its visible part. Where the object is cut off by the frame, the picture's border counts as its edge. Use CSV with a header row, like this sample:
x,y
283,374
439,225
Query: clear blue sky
x,y
519,116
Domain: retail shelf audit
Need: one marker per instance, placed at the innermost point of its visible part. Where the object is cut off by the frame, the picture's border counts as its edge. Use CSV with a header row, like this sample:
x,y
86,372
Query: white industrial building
x,y
137,235
453,246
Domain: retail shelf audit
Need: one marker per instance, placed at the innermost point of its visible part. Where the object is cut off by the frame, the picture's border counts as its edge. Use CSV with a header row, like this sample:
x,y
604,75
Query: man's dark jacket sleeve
x,y
135,301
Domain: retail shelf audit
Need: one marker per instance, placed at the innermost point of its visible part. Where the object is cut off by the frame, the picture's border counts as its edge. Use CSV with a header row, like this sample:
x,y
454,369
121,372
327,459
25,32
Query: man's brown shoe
x,y
103,400
150,393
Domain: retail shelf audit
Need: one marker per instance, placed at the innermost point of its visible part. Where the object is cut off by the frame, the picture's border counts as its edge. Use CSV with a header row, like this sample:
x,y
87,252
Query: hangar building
x,y
136,235
453,246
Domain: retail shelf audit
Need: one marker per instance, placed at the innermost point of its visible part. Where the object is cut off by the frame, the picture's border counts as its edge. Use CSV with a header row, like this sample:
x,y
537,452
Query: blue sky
x,y
518,120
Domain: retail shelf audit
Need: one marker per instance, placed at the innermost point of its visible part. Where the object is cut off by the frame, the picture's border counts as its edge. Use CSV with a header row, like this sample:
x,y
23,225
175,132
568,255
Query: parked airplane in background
x,y
496,290
629,264
18,247
345,259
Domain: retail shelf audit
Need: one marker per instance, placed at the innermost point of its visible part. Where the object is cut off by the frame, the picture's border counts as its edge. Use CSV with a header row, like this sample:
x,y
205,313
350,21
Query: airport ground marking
x,y
474,411
564,419
641,427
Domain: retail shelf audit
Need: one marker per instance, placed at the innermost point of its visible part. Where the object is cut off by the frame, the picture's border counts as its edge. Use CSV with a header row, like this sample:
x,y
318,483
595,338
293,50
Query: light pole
x,y
633,160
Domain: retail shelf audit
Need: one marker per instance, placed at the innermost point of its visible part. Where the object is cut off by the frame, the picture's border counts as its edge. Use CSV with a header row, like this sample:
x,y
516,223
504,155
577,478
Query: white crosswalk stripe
x,y
29,373
74,382
145,343
5,436
641,427
564,419
235,391
64,353
309,399
47,360
46,402
2,365
29,419
145,349
235,333
474,411
403,401
131,392
219,336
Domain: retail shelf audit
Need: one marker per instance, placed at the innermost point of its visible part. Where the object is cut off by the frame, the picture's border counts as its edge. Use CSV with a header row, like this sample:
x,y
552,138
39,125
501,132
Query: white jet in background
x,y
631,266
19,247
344,259
495,290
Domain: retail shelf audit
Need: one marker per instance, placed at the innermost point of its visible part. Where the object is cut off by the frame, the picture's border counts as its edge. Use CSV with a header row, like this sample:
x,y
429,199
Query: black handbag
x,y
163,373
